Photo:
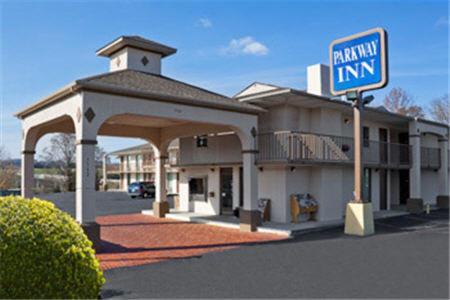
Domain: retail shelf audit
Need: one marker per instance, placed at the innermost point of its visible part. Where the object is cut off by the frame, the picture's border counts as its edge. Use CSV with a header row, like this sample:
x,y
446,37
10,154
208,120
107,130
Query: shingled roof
x,y
148,86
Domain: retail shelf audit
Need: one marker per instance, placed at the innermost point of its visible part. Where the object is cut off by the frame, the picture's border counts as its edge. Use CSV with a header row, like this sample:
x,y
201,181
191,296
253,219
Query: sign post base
x,y
359,219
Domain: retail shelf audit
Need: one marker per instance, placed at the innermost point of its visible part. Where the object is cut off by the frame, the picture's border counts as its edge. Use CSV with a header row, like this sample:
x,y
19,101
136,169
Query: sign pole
x,y
357,115
359,63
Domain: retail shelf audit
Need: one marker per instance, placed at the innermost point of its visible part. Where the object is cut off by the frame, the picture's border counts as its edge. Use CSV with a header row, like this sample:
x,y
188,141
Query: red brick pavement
x,y
136,239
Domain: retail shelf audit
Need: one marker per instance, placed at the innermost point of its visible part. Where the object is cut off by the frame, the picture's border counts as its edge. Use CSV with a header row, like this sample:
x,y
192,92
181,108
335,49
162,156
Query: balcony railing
x,y
430,158
297,147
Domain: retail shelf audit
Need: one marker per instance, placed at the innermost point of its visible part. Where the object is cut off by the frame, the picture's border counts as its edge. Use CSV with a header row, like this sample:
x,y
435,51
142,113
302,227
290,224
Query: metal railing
x,y
430,158
297,147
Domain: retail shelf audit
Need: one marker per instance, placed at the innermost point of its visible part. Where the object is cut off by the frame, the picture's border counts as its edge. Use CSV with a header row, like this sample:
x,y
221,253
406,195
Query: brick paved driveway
x,y
136,239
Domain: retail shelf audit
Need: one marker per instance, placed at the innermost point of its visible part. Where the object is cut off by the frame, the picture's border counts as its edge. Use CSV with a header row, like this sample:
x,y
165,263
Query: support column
x,y
27,179
105,185
160,206
85,211
250,216
415,202
442,200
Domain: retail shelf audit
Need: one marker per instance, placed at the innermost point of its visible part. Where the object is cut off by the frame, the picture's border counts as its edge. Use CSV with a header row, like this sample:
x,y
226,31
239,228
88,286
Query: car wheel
x,y
132,197
145,195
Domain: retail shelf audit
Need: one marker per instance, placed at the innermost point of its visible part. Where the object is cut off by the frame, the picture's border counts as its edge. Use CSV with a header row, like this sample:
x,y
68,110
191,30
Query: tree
x,y
399,101
440,109
62,151
7,172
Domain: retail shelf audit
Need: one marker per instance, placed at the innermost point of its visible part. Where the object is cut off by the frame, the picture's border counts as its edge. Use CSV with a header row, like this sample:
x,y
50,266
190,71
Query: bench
x,y
296,209
264,208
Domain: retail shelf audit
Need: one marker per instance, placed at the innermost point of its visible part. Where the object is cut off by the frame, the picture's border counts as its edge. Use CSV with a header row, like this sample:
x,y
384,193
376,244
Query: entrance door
x,y
226,190
383,136
403,175
383,189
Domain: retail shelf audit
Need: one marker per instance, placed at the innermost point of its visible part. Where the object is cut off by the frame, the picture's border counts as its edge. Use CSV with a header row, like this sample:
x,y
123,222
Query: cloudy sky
x,y
222,45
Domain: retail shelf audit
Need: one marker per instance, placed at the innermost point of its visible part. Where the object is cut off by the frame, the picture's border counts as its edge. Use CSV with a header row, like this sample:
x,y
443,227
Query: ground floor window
x,y
172,180
197,189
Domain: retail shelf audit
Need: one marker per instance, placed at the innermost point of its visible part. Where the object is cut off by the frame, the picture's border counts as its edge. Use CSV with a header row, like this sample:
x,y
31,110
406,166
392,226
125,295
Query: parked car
x,y
141,189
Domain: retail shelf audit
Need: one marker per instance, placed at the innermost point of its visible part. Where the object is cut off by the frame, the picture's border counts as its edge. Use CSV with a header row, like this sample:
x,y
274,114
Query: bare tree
x,y
440,109
399,101
7,172
62,151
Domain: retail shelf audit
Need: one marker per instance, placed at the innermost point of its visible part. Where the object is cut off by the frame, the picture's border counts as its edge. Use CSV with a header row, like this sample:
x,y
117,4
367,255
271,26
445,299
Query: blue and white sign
x,y
359,62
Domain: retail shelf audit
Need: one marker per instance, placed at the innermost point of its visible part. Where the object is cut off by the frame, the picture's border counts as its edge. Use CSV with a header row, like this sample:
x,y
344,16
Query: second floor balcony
x,y
309,148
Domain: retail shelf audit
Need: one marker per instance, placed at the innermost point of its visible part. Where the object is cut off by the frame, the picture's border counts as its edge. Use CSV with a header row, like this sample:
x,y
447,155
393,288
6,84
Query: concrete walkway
x,y
283,229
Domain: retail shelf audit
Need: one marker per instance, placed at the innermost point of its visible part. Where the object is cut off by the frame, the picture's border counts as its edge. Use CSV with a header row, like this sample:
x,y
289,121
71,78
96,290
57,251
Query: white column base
x,y
359,219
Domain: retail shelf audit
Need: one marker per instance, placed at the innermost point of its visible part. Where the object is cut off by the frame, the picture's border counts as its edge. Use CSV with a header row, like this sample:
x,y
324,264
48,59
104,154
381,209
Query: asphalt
x,y
107,203
408,257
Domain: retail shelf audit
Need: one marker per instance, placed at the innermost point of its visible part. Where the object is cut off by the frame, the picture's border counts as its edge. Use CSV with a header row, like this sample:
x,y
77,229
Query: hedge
x,y
44,253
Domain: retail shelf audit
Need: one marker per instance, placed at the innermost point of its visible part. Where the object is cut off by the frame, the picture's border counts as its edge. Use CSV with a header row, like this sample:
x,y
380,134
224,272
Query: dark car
x,y
141,189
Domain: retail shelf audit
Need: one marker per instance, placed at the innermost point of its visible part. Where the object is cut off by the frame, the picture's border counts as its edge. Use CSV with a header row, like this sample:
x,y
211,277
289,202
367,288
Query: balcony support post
x,y
442,200
415,202
105,187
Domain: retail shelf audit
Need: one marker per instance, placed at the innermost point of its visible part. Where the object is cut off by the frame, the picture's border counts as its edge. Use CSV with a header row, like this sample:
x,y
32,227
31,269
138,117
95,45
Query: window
x,y
197,189
196,186
202,141
366,136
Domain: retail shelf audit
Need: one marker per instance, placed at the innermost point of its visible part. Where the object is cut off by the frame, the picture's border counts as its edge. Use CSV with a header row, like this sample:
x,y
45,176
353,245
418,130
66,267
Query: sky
x,y
222,46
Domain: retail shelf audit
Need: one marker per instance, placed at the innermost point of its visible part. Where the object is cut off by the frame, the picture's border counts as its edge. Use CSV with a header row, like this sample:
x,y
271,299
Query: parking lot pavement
x,y
108,203
408,257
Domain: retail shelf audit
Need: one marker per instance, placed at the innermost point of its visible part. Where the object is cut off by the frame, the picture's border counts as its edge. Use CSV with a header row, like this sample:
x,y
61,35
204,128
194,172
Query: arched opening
x,y
53,172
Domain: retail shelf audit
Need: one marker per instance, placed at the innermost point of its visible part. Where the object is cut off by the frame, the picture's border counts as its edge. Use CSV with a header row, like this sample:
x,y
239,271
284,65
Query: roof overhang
x,y
80,85
279,96
135,42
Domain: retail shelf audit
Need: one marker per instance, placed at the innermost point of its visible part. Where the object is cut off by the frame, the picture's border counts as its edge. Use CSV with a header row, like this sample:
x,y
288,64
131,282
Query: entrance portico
x,y
135,100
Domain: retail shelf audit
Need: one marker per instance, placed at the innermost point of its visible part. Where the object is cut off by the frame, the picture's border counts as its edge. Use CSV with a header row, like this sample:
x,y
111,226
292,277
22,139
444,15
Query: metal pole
x,y
357,114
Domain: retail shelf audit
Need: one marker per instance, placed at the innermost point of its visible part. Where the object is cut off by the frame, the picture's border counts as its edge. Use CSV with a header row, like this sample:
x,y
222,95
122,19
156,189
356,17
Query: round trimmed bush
x,y
44,253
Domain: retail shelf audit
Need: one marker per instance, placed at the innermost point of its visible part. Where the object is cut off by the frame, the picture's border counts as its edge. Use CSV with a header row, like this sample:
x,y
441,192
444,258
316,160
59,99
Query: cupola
x,y
135,53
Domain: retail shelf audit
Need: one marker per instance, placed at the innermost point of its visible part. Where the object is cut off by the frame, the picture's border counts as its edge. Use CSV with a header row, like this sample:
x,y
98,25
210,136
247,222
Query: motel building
x,y
265,143
137,164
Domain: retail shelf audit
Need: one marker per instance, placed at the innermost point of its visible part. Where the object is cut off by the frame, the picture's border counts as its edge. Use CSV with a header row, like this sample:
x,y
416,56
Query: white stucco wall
x,y
272,185
326,187
131,58
220,149
429,186
212,204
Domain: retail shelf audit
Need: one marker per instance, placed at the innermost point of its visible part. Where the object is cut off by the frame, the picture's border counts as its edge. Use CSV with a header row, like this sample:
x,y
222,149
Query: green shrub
x,y
44,253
